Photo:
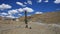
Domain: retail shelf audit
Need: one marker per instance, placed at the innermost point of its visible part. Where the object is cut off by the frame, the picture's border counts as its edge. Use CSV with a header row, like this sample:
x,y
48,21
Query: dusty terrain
x,y
47,23
37,28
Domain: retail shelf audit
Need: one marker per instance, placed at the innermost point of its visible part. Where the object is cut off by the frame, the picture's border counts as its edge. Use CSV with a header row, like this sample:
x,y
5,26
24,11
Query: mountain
x,y
37,22
49,17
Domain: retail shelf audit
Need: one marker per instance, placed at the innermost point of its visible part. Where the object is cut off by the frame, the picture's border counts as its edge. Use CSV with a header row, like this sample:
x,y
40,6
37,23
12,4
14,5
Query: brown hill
x,y
18,27
49,17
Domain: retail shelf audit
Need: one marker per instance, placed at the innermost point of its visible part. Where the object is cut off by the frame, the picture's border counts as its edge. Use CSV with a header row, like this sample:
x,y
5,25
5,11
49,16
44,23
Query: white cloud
x,y
25,2
21,4
28,15
39,13
3,13
20,14
57,1
58,9
12,11
10,16
5,6
39,1
28,9
25,9
46,1
20,9
6,15
29,2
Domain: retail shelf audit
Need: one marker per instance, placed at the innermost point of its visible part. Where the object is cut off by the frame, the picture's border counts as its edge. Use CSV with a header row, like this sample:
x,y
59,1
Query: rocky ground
x,y
47,23
36,28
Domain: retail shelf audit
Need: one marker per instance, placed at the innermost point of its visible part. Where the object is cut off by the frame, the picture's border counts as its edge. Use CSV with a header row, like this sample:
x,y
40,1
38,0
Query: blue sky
x,y
16,7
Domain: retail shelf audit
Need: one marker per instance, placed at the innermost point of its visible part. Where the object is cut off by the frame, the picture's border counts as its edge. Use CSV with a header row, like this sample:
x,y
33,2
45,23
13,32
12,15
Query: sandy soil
x,y
37,28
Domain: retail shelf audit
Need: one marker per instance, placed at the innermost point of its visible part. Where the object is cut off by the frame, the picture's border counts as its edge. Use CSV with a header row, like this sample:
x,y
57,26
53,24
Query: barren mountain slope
x,y
37,22
49,17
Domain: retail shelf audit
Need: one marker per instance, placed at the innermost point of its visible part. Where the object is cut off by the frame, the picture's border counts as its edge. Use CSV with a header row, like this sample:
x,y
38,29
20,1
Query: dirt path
x,y
37,28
